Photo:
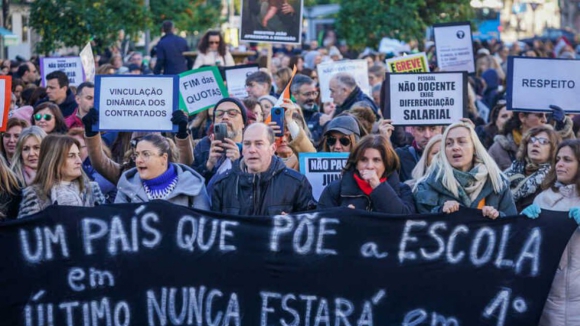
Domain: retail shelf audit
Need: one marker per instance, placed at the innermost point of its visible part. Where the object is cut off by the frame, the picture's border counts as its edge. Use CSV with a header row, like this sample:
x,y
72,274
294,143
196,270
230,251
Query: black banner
x,y
160,264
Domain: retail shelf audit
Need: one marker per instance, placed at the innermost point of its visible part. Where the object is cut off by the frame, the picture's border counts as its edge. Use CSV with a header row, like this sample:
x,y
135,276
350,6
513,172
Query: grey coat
x,y
190,189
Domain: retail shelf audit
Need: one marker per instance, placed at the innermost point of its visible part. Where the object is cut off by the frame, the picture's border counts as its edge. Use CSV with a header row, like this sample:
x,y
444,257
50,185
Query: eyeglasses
x,y
232,113
46,117
214,42
145,155
310,94
539,140
344,141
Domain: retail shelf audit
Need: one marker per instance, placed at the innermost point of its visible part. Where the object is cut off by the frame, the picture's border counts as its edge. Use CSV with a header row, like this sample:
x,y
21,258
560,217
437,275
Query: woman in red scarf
x,y
370,181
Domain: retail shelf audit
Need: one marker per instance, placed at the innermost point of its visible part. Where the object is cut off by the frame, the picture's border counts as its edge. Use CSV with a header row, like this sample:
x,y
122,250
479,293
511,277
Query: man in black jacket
x,y
170,58
345,92
259,184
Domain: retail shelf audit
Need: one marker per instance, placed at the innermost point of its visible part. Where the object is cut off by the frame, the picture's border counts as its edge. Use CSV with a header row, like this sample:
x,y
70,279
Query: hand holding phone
x,y
277,114
220,131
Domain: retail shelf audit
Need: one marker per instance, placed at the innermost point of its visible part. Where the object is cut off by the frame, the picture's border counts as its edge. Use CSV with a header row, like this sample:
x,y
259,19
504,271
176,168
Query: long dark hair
x,y
60,125
381,144
204,42
551,178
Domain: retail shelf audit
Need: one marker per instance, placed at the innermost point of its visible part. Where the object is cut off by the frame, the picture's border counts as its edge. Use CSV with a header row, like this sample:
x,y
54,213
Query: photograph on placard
x,y
271,21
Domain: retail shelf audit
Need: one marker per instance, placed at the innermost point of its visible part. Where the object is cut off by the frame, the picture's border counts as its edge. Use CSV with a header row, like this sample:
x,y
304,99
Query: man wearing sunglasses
x,y
409,155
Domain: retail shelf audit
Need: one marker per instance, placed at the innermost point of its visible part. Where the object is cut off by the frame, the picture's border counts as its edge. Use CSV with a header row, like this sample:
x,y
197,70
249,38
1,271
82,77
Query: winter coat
x,y
68,107
278,189
211,58
430,195
170,57
9,204
563,304
190,189
503,151
408,156
524,187
391,196
357,95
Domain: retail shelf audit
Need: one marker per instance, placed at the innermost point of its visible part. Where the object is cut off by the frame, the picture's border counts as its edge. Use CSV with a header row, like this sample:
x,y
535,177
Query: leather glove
x,y
91,118
558,115
533,211
180,119
575,214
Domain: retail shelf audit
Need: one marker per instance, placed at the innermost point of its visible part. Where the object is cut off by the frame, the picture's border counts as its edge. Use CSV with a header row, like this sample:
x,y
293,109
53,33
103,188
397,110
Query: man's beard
x,y
309,106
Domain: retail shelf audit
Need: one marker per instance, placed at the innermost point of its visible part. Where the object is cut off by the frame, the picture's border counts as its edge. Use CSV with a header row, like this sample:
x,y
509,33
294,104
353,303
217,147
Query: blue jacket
x,y
170,58
357,95
430,196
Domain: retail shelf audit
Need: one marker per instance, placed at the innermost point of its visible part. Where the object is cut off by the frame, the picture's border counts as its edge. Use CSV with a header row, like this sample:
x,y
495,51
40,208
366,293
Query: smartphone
x,y
278,117
220,131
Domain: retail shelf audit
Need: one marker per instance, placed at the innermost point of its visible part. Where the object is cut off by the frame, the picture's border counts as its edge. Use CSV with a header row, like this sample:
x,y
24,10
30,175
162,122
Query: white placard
x,y
357,68
426,99
136,103
454,47
71,66
200,89
88,61
321,169
236,80
533,84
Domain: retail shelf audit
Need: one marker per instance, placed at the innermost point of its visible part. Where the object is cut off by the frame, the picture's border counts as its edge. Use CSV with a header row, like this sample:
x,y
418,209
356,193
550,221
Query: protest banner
x,y
454,47
533,84
437,98
321,169
236,79
272,21
409,63
88,62
162,264
5,100
357,68
71,66
135,102
200,89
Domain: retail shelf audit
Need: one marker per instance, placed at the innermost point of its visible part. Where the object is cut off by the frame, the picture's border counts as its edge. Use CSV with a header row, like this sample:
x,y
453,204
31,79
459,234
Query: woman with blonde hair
x,y
431,150
464,175
25,160
10,192
60,179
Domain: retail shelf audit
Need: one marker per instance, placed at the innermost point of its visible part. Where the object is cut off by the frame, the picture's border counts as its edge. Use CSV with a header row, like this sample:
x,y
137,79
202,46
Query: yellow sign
x,y
410,63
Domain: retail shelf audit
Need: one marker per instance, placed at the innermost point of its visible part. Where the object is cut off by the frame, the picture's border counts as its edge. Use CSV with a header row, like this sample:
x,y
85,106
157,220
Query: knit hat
x,y
270,98
23,113
238,103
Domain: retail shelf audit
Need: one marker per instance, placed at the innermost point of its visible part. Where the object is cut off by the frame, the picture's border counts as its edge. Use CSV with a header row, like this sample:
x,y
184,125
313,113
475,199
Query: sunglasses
x,y
344,141
46,117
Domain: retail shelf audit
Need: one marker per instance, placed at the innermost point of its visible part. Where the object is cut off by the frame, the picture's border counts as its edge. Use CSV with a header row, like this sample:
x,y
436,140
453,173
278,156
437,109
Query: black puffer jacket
x,y
277,190
391,196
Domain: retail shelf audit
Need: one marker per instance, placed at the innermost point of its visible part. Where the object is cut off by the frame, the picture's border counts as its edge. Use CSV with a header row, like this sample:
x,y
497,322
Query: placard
x,y
272,21
357,68
437,98
236,79
454,47
136,102
533,84
200,89
71,66
5,100
409,63
162,264
88,61
321,169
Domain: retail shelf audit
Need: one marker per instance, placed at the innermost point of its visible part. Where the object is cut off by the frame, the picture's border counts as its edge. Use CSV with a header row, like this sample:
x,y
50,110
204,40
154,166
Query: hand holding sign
x,y
558,114
490,211
89,120
179,119
450,206
386,128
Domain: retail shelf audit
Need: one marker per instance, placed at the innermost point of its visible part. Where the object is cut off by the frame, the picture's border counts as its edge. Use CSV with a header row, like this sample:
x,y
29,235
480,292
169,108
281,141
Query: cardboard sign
x,y
135,102
272,21
5,100
71,66
236,79
321,169
533,84
409,63
162,264
200,89
426,99
454,47
357,68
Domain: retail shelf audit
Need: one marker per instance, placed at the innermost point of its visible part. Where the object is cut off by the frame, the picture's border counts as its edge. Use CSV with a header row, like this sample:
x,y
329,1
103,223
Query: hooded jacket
x,y
278,189
357,95
190,189
68,107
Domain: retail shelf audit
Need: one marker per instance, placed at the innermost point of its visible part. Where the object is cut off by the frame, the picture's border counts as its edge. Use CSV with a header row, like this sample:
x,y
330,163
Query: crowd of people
x,y
497,161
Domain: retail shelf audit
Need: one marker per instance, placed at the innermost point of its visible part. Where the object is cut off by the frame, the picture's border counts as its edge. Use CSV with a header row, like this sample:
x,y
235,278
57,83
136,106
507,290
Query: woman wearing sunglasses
x,y
370,180
24,164
341,134
534,157
157,176
48,117
213,51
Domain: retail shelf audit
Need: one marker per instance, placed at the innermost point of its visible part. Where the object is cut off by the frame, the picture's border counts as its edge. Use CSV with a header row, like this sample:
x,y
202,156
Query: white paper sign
x,y
200,89
136,103
533,84
357,68
321,169
71,66
454,47
236,80
88,61
426,99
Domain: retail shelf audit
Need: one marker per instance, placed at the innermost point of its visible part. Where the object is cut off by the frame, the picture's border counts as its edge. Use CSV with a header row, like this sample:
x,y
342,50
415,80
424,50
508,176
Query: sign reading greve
x,y
409,63
236,79
454,47
161,264
136,103
321,169
533,84
5,100
357,68
71,66
200,89
437,98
